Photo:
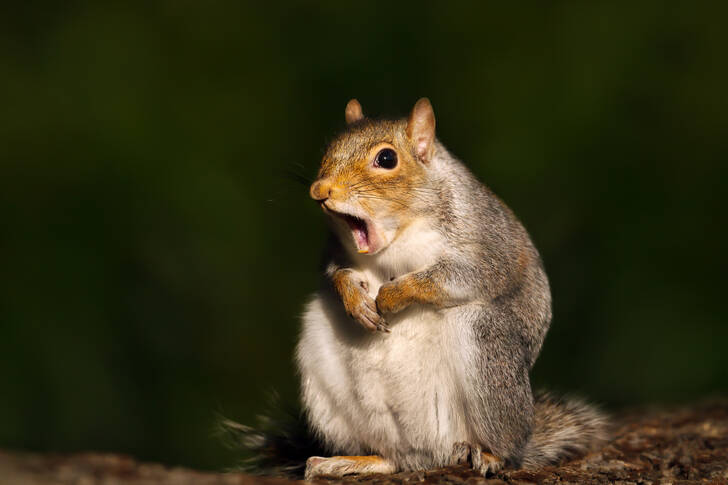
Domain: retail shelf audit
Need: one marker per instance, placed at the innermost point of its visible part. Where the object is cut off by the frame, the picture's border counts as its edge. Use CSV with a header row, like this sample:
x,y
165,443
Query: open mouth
x,y
359,229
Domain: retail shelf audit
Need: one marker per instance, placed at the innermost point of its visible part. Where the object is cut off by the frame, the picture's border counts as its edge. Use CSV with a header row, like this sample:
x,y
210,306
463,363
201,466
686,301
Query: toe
x,y
460,453
312,466
486,463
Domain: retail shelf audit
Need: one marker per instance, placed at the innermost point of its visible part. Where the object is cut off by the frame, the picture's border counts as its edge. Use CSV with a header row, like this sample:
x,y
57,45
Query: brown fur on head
x,y
370,200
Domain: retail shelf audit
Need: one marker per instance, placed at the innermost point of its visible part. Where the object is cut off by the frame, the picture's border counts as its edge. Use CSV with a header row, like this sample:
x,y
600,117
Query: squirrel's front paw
x,y
363,309
352,289
392,297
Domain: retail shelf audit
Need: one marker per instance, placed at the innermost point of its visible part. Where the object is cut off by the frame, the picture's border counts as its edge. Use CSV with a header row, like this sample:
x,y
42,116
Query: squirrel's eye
x,y
386,158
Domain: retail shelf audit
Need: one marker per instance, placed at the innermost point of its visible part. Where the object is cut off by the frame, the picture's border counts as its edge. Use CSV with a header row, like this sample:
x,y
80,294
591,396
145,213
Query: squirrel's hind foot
x,y
481,461
339,466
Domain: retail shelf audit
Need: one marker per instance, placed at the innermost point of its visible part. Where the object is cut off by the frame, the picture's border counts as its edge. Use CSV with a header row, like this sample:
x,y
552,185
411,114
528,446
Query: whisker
x,y
298,178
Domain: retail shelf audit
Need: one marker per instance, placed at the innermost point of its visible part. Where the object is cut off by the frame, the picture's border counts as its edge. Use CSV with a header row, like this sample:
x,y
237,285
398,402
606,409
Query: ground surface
x,y
679,446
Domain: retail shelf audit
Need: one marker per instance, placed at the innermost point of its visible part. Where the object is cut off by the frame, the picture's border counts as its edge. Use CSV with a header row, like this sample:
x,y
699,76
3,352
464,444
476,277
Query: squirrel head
x,y
374,176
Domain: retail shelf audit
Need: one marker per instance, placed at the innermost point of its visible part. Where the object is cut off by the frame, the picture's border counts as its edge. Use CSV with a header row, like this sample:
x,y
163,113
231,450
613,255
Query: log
x,y
686,445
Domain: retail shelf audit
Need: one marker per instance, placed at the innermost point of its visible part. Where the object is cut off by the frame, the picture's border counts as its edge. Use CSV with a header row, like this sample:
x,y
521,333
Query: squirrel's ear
x,y
421,128
353,112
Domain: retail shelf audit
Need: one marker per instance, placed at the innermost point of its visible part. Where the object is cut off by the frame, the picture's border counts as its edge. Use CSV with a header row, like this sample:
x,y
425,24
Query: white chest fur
x,y
417,247
391,394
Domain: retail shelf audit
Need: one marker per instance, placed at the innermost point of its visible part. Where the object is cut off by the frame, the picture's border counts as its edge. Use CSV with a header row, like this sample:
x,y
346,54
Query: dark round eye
x,y
386,158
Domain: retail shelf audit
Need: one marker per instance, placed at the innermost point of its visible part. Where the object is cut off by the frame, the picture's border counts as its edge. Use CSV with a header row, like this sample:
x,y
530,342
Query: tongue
x,y
361,240
359,230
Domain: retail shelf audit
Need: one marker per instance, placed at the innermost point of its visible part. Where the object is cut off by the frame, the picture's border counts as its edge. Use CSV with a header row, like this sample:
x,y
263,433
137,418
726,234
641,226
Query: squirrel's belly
x,y
393,394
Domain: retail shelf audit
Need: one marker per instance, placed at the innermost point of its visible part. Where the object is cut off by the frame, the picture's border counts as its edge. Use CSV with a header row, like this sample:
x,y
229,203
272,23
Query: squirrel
x,y
416,351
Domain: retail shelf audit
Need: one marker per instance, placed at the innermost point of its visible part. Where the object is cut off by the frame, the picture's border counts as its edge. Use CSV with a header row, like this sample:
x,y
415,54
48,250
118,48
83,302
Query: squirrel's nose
x,y
323,189
319,190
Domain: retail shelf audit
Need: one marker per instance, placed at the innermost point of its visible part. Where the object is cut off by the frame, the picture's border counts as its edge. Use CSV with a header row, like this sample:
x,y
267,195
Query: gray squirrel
x,y
416,351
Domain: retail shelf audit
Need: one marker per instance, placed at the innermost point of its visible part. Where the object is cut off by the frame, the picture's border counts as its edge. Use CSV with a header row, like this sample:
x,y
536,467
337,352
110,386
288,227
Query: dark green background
x,y
156,249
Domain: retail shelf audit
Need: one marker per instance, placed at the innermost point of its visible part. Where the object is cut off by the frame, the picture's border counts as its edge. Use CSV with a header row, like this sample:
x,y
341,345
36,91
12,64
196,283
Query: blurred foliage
x,y
156,248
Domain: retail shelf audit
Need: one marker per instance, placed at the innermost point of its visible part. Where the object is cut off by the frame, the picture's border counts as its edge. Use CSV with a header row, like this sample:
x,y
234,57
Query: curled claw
x,y
383,327
365,312
481,461
372,320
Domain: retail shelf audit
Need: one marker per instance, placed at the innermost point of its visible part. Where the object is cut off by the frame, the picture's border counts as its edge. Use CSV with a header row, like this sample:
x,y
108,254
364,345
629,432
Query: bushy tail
x,y
279,444
563,428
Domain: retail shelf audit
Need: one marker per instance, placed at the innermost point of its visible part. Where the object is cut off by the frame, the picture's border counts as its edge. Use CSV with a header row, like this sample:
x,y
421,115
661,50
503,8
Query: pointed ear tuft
x,y
421,129
353,112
